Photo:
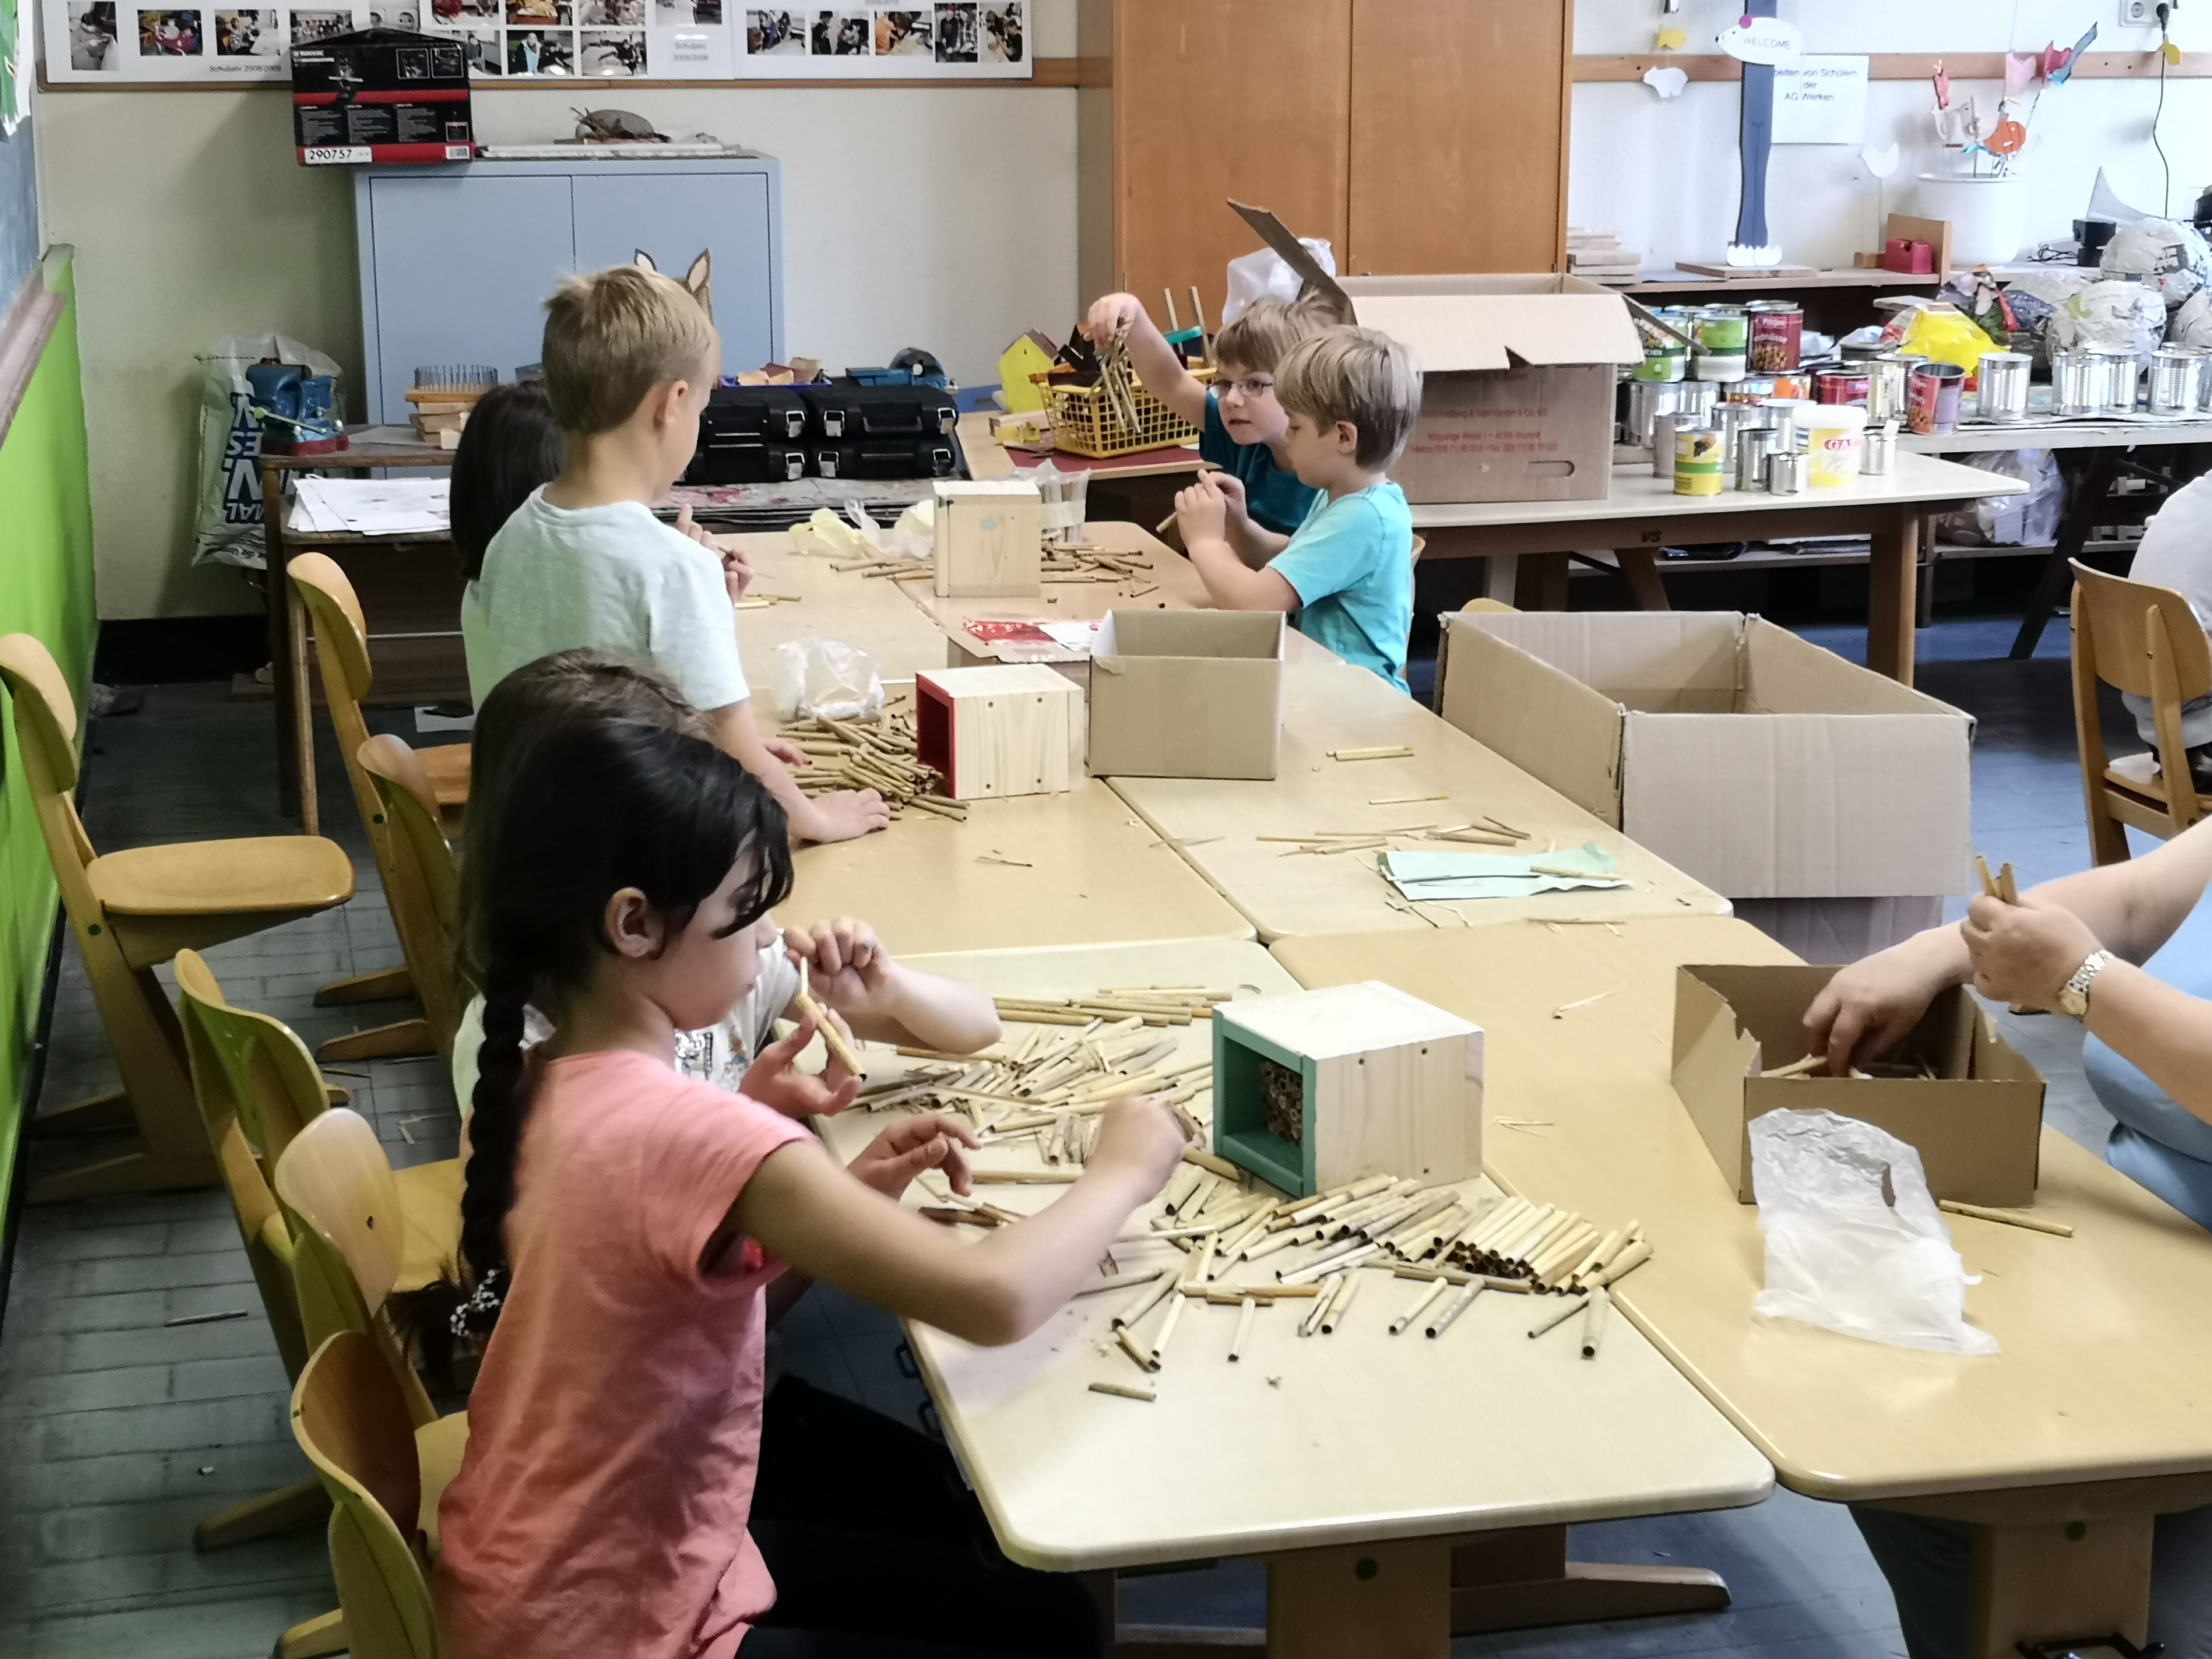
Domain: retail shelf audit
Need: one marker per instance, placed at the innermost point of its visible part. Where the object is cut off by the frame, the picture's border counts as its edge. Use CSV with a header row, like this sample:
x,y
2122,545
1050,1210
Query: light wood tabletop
x,y
838,604
1171,584
1329,704
1305,1444
2093,1416
1078,868
988,457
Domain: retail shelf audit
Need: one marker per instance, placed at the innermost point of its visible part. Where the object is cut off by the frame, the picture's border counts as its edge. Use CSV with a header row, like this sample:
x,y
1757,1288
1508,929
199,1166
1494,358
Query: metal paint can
x,y
1723,342
2113,376
1842,385
1753,447
1879,458
1885,388
1776,335
2177,375
1932,397
2001,385
1785,473
2074,388
1696,460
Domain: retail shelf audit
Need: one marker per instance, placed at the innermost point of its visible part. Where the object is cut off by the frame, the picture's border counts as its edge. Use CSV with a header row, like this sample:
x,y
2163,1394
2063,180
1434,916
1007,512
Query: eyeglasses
x,y
1252,386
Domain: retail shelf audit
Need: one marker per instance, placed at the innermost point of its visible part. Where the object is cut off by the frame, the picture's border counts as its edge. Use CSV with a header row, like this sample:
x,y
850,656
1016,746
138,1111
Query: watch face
x,y
2073,1004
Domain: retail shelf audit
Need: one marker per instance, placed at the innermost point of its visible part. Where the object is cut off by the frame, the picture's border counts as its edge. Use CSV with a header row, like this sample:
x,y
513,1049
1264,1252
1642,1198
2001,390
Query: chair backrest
x,y
348,1233
420,867
352,1423
1479,607
1420,546
45,732
225,1089
2123,637
264,1073
341,649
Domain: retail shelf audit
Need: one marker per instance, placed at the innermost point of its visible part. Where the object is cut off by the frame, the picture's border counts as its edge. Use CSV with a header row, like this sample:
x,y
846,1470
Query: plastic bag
x,y
857,535
1065,497
1947,337
228,520
827,679
1854,1242
2192,323
2028,520
1264,276
2170,258
2117,314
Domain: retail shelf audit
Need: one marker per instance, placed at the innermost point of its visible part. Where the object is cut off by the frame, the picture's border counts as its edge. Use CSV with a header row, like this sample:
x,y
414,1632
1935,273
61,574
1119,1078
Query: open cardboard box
x,y
1761,764
1186,694
1976,1124
1517,374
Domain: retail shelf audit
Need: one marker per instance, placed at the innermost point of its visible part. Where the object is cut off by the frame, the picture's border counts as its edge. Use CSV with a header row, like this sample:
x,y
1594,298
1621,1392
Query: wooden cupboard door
x,y
1459,136
1217,99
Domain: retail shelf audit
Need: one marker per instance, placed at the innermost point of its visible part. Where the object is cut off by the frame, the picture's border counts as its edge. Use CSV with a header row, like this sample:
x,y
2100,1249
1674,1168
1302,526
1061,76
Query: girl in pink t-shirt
x,y
621,1222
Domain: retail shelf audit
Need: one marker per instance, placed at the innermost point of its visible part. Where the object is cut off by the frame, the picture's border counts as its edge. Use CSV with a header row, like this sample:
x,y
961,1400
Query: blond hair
x,y
612,335
1357,374
1263,333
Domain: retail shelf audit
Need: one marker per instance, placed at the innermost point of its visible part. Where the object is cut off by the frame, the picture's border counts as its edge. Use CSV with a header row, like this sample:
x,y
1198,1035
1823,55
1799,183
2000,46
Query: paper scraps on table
x,y
1494,875
1023,639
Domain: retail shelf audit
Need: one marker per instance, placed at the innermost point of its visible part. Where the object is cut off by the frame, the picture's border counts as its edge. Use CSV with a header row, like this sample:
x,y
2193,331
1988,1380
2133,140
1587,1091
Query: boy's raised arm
x,y
1121,317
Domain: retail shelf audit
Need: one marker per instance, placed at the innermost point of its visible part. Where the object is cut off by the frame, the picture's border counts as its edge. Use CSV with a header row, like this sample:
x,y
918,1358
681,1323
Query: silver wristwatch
x,y
2074,995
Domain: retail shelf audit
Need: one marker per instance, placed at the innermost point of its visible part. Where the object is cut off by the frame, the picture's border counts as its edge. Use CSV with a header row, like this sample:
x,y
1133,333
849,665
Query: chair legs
x,y
302,1503
311,1638
402,1038
385,984
95,1115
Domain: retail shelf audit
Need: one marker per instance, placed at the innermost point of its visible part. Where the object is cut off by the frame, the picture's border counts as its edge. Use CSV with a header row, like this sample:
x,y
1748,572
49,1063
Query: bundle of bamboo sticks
x,y
1177,1005
876,755
1552,1249
1080,561
1480,832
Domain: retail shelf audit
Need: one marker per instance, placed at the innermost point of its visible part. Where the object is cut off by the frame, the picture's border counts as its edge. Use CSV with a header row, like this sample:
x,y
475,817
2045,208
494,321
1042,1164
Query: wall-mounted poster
x,y
110,41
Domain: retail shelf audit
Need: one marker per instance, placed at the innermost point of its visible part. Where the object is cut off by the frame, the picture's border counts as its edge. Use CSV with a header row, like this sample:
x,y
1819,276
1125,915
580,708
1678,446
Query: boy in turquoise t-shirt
x,y
1239,419
1349,396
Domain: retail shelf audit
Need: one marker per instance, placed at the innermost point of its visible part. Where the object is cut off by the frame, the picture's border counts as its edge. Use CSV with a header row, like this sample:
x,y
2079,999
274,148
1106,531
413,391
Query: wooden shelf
x,y
1752,281
1599,562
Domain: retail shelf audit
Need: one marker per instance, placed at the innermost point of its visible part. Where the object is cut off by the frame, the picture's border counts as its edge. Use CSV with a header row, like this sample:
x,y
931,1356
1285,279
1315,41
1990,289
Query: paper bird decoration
x,y
2058,66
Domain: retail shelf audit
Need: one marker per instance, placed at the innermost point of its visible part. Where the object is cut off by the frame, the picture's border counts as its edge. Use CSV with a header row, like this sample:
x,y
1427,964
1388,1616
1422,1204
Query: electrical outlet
x,y
2139,14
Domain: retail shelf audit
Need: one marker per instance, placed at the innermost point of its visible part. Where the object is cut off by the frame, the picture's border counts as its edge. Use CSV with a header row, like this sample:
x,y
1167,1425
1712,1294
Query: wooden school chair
x,y
345,1207
422,883
2147,641
131,911
342,652
351,1419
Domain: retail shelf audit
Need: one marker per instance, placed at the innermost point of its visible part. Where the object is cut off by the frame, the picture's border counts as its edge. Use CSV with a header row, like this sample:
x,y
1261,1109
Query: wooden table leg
x,y
276,600
1542,584
1378,1600
1892,589
1500,576
1522,1579
2089,484
303,711
2061,1580
1641,567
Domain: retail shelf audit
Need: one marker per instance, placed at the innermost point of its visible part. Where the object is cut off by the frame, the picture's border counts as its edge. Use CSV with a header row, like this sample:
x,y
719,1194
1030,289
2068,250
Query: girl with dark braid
x,y
621,1221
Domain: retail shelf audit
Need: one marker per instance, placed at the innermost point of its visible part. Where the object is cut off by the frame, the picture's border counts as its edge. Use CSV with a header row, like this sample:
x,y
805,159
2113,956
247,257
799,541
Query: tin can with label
x,y
1698,457
1841,386
1885,388
1723,341
1665,362
1932,398
1776,335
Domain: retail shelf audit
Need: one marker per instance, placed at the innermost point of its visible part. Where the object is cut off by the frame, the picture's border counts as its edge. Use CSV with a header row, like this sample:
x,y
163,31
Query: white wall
x,y
939,218
1663,172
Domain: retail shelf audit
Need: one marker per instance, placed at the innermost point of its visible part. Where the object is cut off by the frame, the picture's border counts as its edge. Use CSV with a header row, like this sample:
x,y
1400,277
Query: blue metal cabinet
x,y
456,262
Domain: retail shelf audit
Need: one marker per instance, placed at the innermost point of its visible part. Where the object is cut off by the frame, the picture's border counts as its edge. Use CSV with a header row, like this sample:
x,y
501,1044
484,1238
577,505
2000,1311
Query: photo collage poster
x,y
120,41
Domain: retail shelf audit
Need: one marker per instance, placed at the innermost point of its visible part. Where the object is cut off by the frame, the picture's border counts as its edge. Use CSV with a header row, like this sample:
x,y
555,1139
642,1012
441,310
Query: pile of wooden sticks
x,y
1175,1005
876,755
1482,832
1080,561
1552,1249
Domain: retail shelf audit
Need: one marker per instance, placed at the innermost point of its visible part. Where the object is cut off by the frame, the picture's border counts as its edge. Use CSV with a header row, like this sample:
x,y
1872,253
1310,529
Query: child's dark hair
x,y
511,446
591,809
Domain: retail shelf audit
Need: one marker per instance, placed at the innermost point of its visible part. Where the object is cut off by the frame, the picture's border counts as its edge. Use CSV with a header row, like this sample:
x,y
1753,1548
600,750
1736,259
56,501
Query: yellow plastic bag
x,y
1948,337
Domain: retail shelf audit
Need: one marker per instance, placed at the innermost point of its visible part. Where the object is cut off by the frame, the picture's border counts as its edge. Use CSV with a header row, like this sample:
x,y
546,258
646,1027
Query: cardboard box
x,y
1517,374
1762,765
381,96
988,539
1011,729
1186,694
1976,1124
1319,1088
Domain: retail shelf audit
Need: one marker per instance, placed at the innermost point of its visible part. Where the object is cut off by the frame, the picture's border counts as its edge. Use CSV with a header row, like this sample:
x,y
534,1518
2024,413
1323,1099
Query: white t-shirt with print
x,y
612,578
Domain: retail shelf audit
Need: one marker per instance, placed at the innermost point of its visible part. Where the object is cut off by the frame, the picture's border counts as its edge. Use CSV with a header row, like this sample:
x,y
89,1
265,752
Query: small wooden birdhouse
x,y
1320,1088
1032,354
1015,729
987,533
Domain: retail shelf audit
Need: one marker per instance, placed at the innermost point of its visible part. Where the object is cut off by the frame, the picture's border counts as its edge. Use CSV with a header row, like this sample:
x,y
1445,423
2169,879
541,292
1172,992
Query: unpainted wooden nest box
x,y
1015,729
986,534
1320,1088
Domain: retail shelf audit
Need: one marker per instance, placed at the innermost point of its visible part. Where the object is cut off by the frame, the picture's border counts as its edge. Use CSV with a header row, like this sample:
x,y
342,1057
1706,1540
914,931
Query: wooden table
x,y
2058,1451
1352,1462
839,605
988,457
1079,868
1172,583
1329,704
1642,515
288,628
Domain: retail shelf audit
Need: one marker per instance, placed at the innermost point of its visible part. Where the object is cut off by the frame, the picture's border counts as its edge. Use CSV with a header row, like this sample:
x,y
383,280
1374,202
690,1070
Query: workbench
x,y
871,612
2058,1451
1352,1463
1329,704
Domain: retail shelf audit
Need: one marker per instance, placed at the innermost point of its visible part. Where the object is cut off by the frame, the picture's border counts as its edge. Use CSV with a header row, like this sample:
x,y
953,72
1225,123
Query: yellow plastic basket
x,y
1083,423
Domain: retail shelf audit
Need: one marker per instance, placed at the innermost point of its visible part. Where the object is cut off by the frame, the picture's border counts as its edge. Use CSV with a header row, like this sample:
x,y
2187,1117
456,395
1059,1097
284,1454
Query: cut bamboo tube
x,y
1459,1303
1121,1282
1195,1273
1234,1242
1131,1348
1192,1198
1125,1391
1551,1266
1145,1304
1434,1288
1185,1181
1024,1177
1389,751
1623,1265
1599,1253
832,1038
1312,1320
1166,1332
1601,1303
2008,1217
1346,1258
1246,1308
1798,1068
1568,1307
1205,1160
1274,1242
1340,1304
1500,1217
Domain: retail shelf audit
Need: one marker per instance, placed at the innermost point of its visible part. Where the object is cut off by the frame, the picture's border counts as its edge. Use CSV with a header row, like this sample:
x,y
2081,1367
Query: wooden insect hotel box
x,y
988,536
1319,1088
1011,729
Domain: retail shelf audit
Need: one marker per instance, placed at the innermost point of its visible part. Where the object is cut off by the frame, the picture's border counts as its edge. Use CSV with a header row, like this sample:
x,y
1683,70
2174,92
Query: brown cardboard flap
x,y
1278,236
1540,717
1246,634
1780,805
1186,694
1712,1053
1784,674
1451,331
1670,661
